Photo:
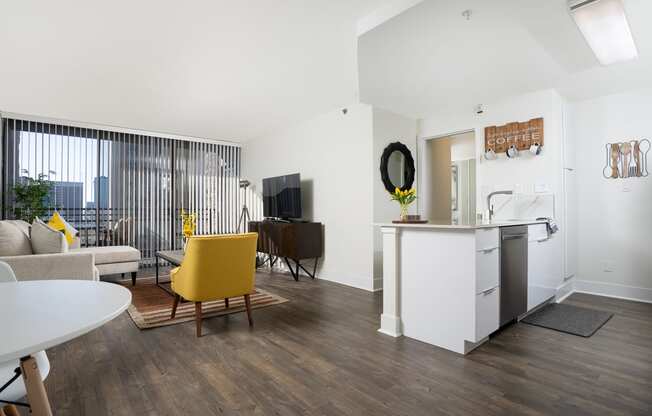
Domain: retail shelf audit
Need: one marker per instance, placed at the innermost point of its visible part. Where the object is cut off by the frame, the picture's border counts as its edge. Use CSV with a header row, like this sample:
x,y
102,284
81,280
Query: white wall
x,y
333,154
615,221
523,174
388,127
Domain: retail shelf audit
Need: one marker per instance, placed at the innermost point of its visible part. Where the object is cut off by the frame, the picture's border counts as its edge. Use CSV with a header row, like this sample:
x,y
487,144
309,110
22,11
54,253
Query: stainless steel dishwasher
x,y
513,273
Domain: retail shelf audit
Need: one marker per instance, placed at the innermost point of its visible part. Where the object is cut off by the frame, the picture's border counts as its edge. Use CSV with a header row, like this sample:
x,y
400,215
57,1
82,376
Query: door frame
x,y
423,162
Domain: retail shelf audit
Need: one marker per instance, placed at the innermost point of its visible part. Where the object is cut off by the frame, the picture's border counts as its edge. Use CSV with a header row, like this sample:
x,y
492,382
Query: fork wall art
x,y
626,159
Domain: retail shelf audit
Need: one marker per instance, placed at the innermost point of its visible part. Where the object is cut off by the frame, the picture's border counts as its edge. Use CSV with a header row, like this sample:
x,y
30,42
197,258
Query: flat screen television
x,y
282,196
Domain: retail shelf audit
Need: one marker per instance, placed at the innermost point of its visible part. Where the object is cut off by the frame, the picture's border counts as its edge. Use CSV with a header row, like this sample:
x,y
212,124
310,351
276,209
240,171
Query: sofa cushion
x,y
117,268
13,239
46,240
23,225
111,254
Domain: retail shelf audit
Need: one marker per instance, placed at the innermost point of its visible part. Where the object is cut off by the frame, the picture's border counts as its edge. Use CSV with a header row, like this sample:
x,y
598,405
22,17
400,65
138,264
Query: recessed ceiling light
x,y
605,28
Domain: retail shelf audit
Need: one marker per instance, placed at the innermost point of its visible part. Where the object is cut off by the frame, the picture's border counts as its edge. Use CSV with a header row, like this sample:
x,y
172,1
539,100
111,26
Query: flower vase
x,y
404,212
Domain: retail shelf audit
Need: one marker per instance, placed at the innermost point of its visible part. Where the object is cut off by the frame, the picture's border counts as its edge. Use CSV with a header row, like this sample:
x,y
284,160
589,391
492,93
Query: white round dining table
x,y
40,314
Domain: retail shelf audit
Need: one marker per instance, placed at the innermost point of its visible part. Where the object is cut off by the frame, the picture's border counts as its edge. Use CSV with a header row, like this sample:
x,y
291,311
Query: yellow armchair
x,y
216,267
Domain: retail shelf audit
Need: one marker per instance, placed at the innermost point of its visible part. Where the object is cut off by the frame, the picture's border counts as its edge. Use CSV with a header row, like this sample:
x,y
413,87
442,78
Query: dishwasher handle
x,y
514,236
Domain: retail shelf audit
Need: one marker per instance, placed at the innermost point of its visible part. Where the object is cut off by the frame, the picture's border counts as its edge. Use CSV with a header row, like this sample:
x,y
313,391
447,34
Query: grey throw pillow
x,y
13,239
47,240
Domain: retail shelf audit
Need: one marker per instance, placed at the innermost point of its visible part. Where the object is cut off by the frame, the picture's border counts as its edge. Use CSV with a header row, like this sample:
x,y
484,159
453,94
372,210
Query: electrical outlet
x,y
626,188
608,266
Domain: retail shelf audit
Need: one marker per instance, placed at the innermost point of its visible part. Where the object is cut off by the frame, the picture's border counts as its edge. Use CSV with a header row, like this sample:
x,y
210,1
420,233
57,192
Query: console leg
x,y
294,274
314,268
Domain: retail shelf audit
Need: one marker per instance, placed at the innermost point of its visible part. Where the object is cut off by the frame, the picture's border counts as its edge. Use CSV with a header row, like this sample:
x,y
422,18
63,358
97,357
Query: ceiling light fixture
x,y
605,28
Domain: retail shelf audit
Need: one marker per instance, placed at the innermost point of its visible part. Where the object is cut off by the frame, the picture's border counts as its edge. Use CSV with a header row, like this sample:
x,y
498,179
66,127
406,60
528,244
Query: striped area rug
x,y
151,306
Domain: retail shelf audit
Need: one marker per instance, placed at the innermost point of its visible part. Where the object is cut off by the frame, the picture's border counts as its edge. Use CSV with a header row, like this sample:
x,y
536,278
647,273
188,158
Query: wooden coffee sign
x,y
522,135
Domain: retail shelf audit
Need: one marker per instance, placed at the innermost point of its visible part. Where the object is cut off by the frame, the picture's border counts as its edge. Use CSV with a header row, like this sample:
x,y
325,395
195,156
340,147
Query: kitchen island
x,y
442,282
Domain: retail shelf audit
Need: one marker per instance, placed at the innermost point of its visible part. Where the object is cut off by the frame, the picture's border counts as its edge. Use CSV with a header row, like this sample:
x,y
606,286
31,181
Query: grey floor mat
x,y
570,319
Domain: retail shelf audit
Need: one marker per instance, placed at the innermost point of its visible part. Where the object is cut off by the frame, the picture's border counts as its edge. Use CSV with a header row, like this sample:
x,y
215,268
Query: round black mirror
x,y
397,167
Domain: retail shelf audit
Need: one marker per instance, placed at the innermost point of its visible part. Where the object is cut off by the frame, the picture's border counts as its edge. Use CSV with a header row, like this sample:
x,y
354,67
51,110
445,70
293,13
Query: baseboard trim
x,y
356,283
378,284
565,290
563,298
612,290
391,325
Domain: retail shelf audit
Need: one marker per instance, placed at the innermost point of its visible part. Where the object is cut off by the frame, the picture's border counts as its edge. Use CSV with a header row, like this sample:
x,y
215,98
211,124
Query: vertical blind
x,y
122,188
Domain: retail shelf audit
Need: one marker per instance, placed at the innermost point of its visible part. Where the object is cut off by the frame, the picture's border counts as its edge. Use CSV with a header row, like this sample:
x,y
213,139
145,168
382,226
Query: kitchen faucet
x,y
491,208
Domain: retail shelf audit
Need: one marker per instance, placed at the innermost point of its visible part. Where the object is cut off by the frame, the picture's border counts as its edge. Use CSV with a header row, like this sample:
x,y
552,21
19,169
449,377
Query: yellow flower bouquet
x,y
404,198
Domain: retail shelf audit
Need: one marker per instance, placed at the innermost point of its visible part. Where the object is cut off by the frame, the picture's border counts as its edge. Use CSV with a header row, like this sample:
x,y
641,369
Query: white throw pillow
x,y
13,239
47,240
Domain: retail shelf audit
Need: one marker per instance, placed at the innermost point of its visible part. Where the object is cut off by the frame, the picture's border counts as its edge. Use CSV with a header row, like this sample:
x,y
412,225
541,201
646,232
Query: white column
x,y
390,320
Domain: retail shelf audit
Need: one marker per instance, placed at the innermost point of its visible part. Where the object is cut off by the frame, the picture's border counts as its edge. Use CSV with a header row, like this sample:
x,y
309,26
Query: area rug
x,y
151,306
569,319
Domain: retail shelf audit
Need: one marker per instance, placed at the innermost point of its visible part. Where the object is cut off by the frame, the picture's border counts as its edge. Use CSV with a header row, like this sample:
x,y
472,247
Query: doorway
x,y
450,175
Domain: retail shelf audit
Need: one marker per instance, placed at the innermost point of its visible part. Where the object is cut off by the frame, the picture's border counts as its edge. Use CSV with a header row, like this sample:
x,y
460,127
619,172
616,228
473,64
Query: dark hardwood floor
x,y
320,354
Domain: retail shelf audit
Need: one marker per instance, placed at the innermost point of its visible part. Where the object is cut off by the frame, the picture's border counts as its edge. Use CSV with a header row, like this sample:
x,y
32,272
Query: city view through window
x,y
119,188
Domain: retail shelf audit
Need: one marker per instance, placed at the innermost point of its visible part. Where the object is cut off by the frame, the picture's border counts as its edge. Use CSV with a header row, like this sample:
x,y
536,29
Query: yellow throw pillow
x,y
58,223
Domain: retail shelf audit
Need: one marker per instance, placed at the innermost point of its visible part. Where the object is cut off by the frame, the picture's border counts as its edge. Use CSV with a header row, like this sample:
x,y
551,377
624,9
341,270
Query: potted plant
x,y
31,197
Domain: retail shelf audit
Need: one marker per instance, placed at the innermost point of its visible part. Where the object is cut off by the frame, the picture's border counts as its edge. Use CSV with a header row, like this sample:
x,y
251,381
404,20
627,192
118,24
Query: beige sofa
x,y
87,263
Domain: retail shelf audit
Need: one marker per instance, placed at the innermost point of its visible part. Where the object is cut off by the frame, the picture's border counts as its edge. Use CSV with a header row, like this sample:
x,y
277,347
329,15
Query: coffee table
x,y
40,314
174,257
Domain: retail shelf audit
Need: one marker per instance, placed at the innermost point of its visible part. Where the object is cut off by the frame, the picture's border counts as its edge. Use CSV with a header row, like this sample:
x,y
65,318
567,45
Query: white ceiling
x,y
431,59
230,70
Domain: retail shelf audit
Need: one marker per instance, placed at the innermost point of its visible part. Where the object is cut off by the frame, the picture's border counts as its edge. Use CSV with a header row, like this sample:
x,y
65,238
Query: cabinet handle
x,y
542,240
514,237
567,278
489,291
488,250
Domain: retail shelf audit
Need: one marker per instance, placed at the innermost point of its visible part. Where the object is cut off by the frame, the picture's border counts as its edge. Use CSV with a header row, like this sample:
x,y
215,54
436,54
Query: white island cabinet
x,y
441,283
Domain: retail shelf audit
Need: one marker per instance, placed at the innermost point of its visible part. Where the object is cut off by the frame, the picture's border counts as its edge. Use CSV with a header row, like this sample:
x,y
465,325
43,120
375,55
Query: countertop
x,y
451,226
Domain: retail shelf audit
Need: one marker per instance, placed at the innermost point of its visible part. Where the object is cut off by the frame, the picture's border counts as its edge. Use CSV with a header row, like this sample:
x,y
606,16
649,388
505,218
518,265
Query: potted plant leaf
x,y
31,197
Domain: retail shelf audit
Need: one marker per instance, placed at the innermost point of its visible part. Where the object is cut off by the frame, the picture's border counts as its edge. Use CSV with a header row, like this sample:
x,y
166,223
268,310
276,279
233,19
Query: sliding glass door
x,y
121,188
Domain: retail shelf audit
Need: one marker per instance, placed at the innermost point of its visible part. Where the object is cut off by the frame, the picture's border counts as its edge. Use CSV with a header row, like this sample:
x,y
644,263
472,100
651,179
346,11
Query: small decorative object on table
x,y
189,225
404,198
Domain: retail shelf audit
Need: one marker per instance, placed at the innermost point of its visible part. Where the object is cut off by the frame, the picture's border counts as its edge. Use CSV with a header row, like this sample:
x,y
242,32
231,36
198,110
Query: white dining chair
x,y
15,391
